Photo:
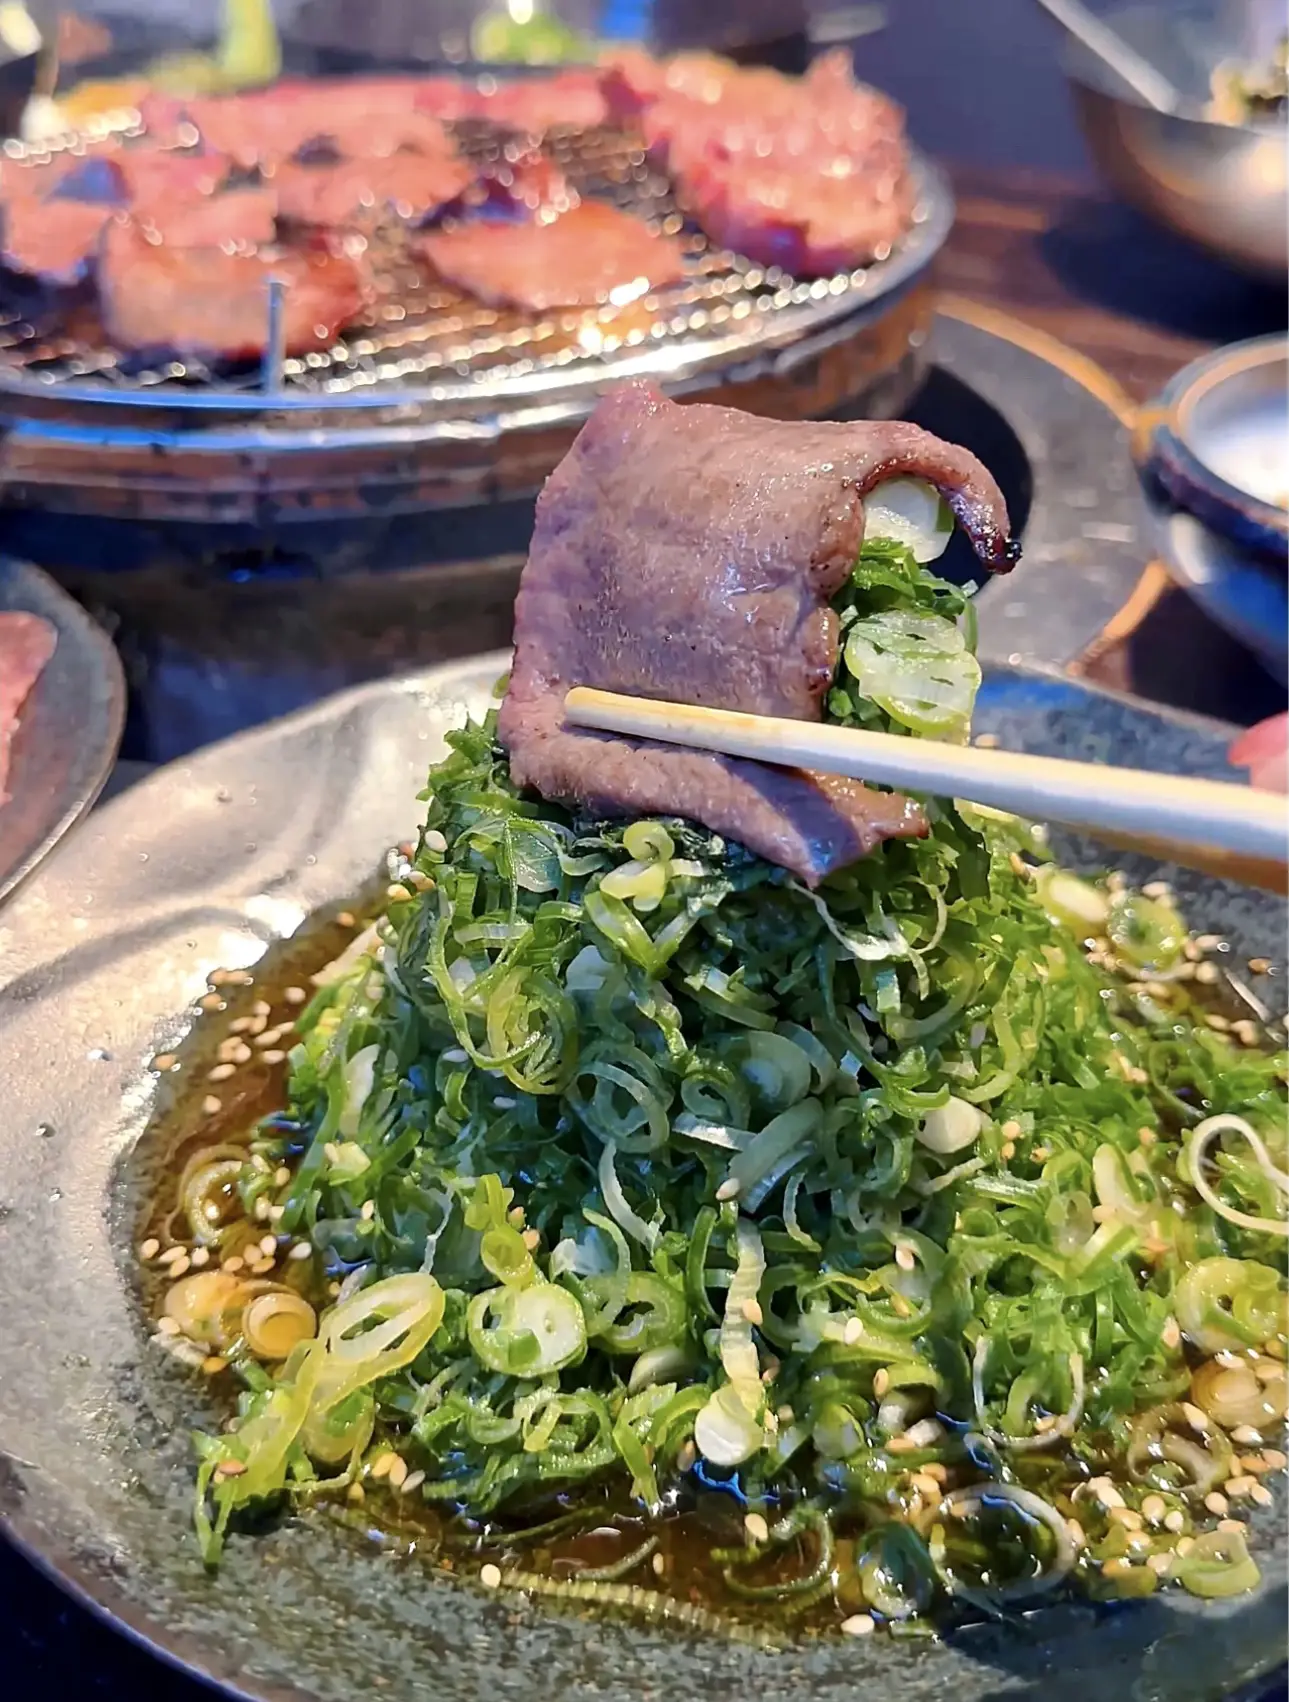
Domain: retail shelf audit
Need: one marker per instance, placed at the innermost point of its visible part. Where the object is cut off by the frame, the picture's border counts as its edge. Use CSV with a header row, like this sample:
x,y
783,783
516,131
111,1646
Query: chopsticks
x,y
1230,831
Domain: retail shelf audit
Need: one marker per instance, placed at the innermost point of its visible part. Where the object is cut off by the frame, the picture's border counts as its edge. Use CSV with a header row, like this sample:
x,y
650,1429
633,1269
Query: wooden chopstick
x,y
1234,832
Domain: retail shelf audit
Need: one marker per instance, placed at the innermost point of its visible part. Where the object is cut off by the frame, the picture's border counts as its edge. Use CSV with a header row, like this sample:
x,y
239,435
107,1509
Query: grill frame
x,y
220,453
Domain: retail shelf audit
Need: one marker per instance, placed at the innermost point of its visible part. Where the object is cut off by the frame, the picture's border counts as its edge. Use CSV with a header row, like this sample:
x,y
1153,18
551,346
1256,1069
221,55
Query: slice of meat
x,y
378,134
171,174
55,241
592,254
691,553
355,193
26,644
212,304
268,125
572,98
447,98
237,219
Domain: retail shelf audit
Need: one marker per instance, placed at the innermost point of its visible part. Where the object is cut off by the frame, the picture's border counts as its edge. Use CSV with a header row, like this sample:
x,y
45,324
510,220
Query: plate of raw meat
x,y
62,709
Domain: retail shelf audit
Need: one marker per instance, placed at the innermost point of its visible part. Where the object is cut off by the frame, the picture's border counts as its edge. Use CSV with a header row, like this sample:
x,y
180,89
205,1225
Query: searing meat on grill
x,y
55,241
591,254
691,553
353,193
26,644
238,218
810,174
213,305
568,99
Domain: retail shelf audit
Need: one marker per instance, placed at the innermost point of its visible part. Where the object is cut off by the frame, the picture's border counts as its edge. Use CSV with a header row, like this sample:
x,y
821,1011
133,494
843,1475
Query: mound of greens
x,y
639,1160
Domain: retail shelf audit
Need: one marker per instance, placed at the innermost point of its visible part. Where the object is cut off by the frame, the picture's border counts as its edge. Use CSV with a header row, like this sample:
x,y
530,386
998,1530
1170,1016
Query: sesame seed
x,y
281,1176
331,1152
659,1565
269,1037
936,1472
1195,1416
411,1482
1245,1433
210,1002
686,1455
1186,1545
260,1267
1267,1371
1106,1493
785,1415
1155,889
1218,1024
172,1255
1077,1535
1175,1521
168,1326
382,1465
1011,1130
1252,1463
1128,1517
301,1250
751,1310
345,918
398,1472
368,1211
1276,1461
150,1248
901,1445
295,995
268,1246
1238,1486
261,1209
1206,974
905,1257
853,1331
276,1056
233,1264
356,1492
397,893
199,1256
1232,1527
1171,1334
1008,1150
1217,1504
230,1468
984,742
881,1377
212,1105
212,1365
925,1485
860,1624
729,1190
164,1061
1153,1508
221,1072
1160,1564
180,1266
490,1576
533,1239
1116,1568
1260,1495
756,1527
434,840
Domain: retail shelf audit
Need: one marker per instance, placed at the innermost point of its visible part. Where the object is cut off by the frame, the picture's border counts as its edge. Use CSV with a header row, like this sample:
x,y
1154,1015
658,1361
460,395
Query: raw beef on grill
x,y
591,254
213,305
237,218
354,193
55,241
691,553
536,104
807,173
272,124
26,644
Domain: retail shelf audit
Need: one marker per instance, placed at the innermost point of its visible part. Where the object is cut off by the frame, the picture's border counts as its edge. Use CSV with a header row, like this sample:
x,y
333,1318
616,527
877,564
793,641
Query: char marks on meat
x,y
591,254
691,553
26,644
212,304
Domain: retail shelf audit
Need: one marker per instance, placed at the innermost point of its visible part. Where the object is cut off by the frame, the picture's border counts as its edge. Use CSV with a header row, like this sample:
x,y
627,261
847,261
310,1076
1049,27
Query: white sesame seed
x,y
412,1481
1153,1508
168,1326
275,1057
853,1331
172,1255
301,1250
1160,1563
659,1564
380,1467
1217,1504
268,1245
1175,1521
1171,1334
295,995
397,1472
221,1072
729,1189
368,1211
199,1256
345,918
212,1105
164,1061
859,1624
490,1576
180,1266
1260,1495
756,1527
1196,1417
455,1055
1276,1461
881,1377
434,840
150,1248
905,1257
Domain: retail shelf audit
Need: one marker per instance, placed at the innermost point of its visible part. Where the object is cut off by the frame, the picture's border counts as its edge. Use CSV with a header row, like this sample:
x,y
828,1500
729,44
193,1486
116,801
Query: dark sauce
x,y
591,1534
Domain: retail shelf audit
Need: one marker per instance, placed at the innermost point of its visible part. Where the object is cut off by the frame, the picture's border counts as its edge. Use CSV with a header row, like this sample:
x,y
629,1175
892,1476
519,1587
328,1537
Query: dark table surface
x,y
1037,238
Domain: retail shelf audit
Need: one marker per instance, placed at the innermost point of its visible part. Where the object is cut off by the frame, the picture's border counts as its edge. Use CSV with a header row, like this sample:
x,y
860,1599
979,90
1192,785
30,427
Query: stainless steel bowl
x,y
1226,187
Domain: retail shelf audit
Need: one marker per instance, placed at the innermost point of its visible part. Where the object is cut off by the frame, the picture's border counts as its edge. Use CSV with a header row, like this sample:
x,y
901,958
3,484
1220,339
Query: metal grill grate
x,y
421,334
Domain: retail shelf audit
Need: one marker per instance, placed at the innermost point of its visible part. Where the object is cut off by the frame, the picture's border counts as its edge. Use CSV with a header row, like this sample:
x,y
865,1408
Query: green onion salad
x,y
913,1244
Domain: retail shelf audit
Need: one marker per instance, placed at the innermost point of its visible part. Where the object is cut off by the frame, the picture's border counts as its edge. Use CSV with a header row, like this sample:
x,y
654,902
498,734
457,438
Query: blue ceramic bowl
x,y
1216,444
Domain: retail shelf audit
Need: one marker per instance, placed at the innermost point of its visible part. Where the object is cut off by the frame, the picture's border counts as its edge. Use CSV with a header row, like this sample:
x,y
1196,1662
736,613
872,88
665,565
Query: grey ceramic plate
x,y
101,957
68,729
